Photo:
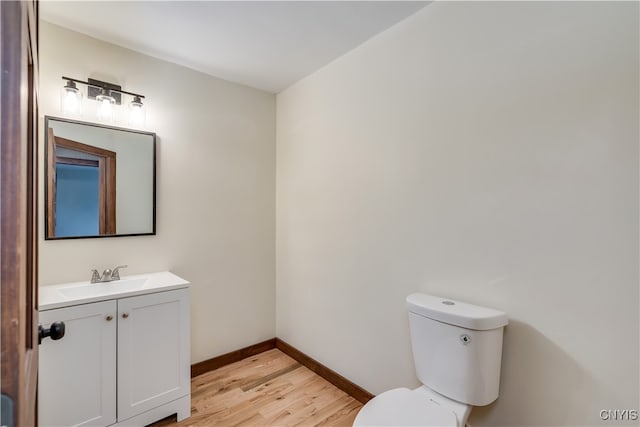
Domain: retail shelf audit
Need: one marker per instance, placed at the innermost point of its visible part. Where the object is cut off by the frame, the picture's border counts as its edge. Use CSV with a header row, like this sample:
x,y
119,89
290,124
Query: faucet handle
x,y
115,274
95,276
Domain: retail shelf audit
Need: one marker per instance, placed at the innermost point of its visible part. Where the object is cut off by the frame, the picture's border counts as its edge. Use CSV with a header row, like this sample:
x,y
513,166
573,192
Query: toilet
x,y
457,351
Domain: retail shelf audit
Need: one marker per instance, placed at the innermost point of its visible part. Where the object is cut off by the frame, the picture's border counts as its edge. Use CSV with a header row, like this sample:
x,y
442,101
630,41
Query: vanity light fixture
x,y
108,97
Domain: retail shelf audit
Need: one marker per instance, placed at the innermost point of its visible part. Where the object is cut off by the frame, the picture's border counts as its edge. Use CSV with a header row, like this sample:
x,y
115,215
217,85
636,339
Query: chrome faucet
x,y
107,276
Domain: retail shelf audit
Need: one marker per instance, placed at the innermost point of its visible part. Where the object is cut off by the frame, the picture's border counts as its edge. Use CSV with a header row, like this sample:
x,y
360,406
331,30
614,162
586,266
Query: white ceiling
x,y
264,44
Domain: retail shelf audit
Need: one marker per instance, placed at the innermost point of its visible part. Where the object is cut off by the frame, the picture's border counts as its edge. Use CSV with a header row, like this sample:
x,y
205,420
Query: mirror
x,y
99,180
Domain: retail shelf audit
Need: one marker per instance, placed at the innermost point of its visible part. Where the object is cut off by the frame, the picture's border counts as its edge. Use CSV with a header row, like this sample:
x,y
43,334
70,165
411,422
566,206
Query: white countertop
x,y
75,293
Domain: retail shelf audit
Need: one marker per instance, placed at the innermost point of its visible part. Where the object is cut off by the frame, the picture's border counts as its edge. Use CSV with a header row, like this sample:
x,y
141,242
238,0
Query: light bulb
x,y
136,112
105,106
105,112
70,99
136,116
71,102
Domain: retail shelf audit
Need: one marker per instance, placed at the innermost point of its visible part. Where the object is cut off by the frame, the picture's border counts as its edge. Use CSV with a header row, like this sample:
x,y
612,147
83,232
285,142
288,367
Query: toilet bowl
x,y
457,351
419,407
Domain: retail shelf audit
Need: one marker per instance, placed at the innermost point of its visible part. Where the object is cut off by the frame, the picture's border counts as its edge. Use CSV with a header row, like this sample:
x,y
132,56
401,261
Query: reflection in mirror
x,y
100,180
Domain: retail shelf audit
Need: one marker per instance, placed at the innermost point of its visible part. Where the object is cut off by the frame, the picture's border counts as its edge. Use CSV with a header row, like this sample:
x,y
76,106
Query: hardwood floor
x,y
268,389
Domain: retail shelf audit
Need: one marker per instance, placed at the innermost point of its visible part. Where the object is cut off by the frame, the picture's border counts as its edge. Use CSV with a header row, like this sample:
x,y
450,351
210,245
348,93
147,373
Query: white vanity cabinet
x,y
123,361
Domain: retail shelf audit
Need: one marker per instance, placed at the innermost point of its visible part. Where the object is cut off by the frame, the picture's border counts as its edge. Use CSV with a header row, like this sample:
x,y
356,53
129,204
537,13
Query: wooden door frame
x,y
106,183
18,209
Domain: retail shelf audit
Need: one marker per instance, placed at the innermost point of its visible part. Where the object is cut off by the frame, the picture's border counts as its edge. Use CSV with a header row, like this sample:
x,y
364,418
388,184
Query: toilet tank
x,y
457,347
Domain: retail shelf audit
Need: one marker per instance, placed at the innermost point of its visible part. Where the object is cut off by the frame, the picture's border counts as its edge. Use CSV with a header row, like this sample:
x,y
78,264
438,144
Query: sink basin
x,y
74,293
106,288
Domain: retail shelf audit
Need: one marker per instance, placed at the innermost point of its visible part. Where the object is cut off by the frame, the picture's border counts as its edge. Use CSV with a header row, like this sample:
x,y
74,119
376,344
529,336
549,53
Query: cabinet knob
x,y
55,331
125,315
109,318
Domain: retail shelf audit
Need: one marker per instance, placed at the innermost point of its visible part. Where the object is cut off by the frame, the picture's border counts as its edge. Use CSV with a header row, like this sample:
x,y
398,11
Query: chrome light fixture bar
x,y
106,94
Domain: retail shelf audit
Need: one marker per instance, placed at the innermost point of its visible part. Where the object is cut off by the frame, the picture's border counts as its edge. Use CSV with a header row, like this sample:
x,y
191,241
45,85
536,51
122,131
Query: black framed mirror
x,y
100,181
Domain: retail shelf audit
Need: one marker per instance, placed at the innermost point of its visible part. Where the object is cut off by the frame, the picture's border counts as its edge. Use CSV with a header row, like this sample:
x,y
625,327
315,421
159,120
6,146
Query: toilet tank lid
x,y
456,313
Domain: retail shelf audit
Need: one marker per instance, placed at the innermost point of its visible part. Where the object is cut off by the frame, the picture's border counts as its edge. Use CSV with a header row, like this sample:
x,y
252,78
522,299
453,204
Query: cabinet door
x,y
153,351
77,374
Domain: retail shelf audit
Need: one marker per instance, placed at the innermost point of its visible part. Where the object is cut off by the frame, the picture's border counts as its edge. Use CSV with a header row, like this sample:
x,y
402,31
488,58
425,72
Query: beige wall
x,y
215,189
481,151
